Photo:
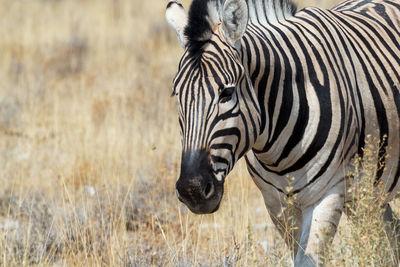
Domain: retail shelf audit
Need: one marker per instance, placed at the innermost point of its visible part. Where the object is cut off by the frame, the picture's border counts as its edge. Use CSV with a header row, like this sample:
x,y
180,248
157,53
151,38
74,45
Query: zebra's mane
x,y
204,14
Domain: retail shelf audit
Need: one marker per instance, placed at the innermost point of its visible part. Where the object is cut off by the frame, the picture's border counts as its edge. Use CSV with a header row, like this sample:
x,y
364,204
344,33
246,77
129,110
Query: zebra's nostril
x,y
209,190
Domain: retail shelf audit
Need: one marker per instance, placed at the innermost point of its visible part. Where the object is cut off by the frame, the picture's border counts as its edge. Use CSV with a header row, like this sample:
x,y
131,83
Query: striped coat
x,y
297,93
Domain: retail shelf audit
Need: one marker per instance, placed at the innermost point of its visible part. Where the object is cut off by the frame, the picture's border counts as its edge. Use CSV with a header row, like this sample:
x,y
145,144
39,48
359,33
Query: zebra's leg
x,y
319,224
393,231
288,221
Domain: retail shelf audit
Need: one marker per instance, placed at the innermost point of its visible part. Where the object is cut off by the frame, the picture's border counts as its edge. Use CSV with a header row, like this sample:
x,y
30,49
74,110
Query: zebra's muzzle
x,y
200,199
199,206
197,186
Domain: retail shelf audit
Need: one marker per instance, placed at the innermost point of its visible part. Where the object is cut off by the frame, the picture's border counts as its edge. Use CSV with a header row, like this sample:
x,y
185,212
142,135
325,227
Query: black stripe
x,y
252,169
378,103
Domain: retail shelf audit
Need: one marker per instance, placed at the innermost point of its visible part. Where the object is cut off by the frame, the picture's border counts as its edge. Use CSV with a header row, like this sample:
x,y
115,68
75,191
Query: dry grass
x,y
89,146
363,240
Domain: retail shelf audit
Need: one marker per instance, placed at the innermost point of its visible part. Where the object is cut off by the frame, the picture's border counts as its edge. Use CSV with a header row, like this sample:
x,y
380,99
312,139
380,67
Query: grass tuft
x,y
363,241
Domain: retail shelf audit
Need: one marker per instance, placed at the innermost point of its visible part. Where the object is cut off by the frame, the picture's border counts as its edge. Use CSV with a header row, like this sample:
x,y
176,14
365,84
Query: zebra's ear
x,y
177,19
235,15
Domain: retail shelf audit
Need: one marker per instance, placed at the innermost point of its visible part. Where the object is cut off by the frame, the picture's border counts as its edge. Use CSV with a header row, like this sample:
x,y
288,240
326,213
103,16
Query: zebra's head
x,y
218,111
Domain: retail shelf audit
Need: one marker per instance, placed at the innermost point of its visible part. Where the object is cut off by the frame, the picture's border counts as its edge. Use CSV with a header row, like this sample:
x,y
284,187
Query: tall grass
x,y
89,146
363,240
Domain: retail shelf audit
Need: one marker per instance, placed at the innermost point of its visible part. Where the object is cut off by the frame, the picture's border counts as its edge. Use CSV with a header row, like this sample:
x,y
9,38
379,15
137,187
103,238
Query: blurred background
x,y
89,145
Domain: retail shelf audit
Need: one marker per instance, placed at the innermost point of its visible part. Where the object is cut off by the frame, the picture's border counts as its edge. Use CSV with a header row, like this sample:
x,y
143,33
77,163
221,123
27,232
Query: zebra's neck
x,y
273,78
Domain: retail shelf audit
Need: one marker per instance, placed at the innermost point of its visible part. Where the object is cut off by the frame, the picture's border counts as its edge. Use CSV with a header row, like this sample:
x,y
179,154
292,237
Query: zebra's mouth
x,y
201,207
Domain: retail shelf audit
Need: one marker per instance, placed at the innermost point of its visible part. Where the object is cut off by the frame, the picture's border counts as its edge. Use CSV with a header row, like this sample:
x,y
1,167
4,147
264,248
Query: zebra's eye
x,y
225,94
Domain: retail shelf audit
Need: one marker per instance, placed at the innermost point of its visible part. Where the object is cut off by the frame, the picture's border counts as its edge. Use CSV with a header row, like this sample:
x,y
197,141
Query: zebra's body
x,y
297,94
342,85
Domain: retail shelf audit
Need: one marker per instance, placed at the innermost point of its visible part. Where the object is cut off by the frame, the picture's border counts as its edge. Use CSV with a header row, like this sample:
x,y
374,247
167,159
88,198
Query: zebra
x,y
296,93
